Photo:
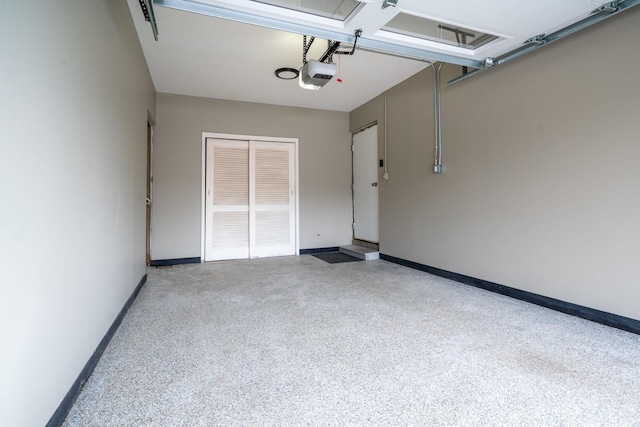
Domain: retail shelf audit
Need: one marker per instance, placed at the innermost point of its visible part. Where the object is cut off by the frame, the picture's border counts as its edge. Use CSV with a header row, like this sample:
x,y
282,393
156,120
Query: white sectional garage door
x,y
250,199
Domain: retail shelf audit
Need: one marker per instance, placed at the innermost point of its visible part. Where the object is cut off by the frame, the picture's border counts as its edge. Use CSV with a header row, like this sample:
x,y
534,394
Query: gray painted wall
x,y
324,167
74,96
540,183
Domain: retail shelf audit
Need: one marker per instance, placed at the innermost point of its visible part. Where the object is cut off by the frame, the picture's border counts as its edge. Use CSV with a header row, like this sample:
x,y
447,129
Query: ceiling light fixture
x,y
286,73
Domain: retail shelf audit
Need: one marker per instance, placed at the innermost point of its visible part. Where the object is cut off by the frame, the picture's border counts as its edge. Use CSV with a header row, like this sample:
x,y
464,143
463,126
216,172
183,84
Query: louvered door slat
x,y
272,229
231,176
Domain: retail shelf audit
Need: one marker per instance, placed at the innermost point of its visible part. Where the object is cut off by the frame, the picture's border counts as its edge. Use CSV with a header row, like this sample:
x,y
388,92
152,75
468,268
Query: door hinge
x,y
353,225
353,147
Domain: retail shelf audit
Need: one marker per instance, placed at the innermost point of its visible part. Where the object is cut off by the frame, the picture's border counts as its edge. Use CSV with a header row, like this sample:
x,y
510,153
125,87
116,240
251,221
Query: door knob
x,y
375,184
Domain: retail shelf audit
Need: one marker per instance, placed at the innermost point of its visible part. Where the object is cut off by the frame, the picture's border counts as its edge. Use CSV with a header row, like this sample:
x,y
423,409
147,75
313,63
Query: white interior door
x,y
227,200
365,185
250,199
272,208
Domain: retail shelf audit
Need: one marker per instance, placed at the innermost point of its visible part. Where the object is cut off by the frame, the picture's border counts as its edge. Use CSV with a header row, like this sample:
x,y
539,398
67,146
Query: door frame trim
x,y
203,188
149,194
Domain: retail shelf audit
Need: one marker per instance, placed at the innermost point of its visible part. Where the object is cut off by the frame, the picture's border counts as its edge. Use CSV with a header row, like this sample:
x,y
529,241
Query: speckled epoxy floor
x,y
295,341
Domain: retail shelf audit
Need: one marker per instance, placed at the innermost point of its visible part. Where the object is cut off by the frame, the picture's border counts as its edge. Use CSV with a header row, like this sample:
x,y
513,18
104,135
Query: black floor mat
x,y
336,257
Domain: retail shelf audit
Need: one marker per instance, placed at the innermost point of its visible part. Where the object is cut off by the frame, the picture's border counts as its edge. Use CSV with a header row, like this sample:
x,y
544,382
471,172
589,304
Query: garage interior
x,y
517,176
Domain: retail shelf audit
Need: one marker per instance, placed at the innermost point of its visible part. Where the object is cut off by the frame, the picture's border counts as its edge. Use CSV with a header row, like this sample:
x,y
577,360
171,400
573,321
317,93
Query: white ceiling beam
x,y
292,27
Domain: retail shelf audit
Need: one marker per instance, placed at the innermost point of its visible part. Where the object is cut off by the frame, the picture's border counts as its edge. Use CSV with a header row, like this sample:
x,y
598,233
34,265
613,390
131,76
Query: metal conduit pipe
x,y
386,151
437,166
395,55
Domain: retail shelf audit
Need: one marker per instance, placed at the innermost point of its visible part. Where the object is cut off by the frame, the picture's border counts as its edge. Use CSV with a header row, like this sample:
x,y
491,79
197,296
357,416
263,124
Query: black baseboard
x,y
602,317
174,261
61,413
319,250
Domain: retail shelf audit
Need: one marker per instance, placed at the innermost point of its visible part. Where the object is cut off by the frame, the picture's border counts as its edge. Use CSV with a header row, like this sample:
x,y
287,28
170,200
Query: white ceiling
x,y
206,56
199,55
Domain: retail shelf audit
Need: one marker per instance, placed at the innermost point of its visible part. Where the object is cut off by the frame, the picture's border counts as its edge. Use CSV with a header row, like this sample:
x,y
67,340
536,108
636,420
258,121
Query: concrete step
x,y
360,252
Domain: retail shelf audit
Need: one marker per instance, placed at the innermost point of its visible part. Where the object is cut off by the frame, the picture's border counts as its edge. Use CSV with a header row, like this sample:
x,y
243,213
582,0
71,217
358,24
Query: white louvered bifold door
x,y
250,199
272,203
227,200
